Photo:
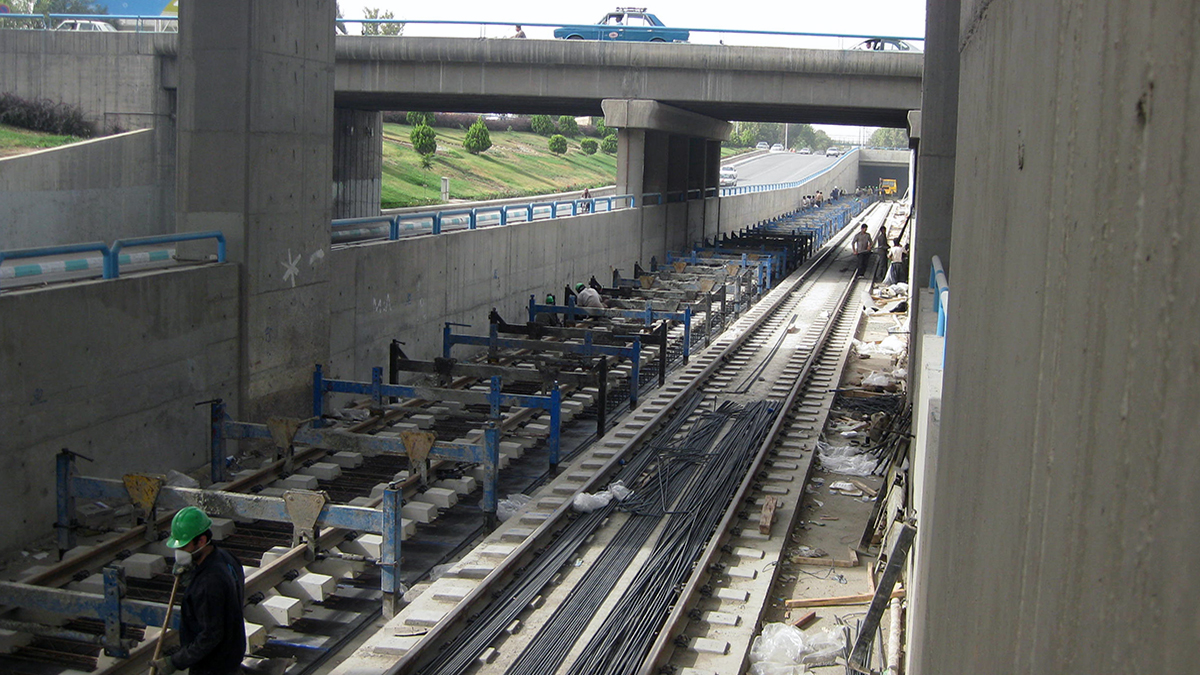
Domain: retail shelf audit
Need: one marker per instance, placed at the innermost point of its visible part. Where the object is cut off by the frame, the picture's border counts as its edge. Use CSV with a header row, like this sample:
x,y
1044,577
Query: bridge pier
x,y
357,162
255,157
662,149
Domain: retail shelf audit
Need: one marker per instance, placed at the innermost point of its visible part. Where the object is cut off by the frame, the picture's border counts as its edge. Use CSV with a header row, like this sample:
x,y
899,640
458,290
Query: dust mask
x,y
182,557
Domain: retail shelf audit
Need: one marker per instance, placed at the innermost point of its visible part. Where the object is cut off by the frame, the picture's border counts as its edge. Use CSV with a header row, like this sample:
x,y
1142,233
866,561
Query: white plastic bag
x,y
586,502
845,459
509,506
619,491
876,379
778,643
824,645
780,647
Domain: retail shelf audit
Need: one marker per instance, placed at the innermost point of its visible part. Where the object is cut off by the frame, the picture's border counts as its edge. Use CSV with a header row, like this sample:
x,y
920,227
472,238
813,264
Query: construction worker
x,y
586,296
861,245
212,633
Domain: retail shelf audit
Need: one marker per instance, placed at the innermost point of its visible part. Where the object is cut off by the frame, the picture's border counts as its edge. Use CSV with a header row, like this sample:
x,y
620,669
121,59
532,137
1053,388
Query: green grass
x,y
14,141
517,165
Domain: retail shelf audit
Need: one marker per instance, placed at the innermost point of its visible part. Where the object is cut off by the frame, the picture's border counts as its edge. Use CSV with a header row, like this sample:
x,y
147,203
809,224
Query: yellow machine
x,y
888,186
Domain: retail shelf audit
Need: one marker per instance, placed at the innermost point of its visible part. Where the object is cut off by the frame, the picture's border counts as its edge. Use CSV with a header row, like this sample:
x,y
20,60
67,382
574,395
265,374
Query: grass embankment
x,y
14,141
517,165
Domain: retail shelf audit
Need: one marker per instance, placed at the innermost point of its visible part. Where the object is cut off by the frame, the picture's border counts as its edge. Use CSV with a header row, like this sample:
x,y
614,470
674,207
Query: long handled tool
x,y
162,636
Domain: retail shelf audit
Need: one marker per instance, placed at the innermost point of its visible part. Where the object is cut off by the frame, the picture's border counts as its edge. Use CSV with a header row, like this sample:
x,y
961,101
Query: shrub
x,y
588,146
567,126
477,139
602,129
44,115
558,144
424,140
609,144
542,125
416,119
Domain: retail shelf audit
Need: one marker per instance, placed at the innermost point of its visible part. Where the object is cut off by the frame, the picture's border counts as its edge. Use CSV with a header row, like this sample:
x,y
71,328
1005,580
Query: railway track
x,y
669,580
336,597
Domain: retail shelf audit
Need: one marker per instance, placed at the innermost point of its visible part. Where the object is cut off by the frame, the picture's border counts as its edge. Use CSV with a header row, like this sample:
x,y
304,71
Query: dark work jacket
x,y
211,629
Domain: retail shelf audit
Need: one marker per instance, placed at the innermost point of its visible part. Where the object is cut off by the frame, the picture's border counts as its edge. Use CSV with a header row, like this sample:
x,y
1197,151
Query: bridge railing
x,y
108,264
449,220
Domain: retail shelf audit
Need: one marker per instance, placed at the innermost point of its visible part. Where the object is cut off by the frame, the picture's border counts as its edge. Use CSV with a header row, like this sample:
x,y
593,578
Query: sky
x,y
891,18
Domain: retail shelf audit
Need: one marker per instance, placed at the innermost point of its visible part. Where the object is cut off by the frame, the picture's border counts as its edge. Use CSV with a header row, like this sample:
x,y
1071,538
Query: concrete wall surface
x,y
740,211
110,369
1064,535
102,189
114,77
404,290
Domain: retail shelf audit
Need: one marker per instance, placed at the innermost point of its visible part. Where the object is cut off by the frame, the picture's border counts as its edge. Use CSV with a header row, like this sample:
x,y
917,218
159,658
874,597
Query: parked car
x,y
778,147
81,25
729,176
885,45
833,151
762,145
806,151
624,23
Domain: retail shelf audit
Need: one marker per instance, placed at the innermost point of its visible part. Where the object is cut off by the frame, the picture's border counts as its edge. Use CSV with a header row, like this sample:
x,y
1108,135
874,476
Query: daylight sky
x,y
892,18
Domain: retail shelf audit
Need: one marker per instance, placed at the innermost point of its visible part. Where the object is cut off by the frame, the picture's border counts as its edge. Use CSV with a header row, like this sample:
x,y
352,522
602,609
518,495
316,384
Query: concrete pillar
x,y
357,162
255,153
679,166
631,157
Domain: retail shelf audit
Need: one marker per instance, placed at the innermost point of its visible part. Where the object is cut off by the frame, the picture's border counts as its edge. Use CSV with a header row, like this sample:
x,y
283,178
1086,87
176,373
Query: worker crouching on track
x,y
586,296
212,632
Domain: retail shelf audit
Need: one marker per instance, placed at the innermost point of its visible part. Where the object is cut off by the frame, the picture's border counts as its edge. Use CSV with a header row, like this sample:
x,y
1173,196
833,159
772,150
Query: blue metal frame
x,y
941,296
648,315
493,342
46,251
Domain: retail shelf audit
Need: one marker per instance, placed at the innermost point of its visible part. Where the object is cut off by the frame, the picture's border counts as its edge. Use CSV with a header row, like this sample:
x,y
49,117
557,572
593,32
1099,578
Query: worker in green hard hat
x,y
212,633
586,296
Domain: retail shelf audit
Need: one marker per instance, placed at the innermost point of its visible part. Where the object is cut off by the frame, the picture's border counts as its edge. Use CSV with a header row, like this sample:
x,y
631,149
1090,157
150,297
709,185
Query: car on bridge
x,y
729,176
762,145
778,147
91,26
885,45
631,24
833,151
806,151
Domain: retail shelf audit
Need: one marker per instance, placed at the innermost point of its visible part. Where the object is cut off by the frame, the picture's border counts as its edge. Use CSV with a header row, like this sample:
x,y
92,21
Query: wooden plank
x,y
838,601
805,620
825,562
767,515
871,492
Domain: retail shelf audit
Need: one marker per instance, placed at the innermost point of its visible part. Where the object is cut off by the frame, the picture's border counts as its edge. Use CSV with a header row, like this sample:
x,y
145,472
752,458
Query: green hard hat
x,y
579,287
188,524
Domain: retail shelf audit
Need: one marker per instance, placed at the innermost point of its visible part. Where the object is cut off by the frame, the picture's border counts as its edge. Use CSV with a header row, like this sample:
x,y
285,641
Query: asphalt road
x,y
780,167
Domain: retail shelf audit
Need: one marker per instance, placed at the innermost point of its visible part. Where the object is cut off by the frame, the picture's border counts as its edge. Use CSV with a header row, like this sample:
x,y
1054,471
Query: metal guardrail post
x,y
389,553
113,268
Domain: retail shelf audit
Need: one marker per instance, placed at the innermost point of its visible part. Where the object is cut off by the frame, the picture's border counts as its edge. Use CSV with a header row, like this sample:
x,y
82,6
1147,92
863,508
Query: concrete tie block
x,y
511,449
299,481
742,572
272,554
256,637
462,486
400,476
310,586
222,528
93,583
421,512
708,646
276,610
722,618
470,571
487,656
347,459
442,498
336,568
425,617
361,501
497,550
696,671
364,544
422,421
11,640
516,534
322,471
396,645
534,518
748,553
268,492
448,591
143,565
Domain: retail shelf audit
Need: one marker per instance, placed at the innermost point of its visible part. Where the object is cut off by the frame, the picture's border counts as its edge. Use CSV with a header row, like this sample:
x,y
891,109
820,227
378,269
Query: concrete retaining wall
x,y
103,189
1064,535
115,78
739,211
404,290
110,369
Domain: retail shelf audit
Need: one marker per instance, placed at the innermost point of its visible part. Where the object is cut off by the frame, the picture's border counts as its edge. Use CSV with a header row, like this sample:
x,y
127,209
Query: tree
x,y
424,140
609,144
602,129
68,7
542,125
477,139
567,126
381,28
418,118
888,138
588,146
558,144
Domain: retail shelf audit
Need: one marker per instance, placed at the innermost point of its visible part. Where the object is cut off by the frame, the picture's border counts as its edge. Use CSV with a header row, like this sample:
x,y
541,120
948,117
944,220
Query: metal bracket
x,y
303,507
283,430
417,444
143,489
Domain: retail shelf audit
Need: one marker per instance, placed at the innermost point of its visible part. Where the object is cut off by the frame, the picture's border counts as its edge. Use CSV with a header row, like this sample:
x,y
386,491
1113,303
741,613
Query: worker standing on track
x,y
212,632
861,245
586,296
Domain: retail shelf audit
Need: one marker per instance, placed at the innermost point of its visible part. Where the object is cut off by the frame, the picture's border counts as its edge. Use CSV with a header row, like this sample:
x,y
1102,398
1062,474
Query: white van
x,y
82,25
